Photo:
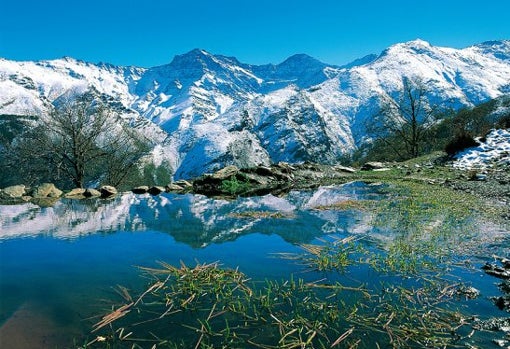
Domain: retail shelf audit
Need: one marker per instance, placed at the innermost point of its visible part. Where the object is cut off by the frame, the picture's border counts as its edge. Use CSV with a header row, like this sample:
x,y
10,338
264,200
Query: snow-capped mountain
x,y
204,111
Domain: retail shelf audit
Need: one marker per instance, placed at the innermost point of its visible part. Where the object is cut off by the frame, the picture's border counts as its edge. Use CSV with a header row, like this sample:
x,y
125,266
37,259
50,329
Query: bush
x,y
460,143
233,186
504,122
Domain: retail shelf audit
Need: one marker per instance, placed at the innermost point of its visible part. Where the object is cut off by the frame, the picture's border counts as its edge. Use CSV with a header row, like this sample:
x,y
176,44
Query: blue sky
x,y
150,32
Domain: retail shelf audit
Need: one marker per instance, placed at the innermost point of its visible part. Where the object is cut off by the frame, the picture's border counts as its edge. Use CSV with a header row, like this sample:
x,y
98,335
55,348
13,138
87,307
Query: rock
x,y
346,169
141,189
226,173
90,192
275,172
494,270
309,174
75,193
505,286
172,187
372,165
184,184
107,191
156,190
14,191
502,302
46,190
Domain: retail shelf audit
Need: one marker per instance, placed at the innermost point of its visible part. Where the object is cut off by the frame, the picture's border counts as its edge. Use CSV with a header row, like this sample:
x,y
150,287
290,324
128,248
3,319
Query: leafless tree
x,y
403,122
81,139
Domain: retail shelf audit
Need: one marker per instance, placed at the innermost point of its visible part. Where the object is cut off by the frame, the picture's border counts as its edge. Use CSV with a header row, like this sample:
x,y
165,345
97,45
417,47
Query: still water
x,y
59,264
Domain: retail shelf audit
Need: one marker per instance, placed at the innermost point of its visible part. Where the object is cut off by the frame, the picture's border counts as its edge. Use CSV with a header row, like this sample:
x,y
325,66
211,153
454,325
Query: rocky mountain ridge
x,y
205,111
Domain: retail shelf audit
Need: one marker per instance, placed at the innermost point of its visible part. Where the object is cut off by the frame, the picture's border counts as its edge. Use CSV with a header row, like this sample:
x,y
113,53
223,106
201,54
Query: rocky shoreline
x,y
277,179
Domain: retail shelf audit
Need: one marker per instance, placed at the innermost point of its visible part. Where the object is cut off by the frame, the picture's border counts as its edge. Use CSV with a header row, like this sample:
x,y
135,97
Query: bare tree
x,y
402,123
81,139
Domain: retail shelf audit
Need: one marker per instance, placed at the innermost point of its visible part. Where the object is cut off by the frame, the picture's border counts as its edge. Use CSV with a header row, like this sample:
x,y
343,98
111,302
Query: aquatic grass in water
x,y
207,306
428,226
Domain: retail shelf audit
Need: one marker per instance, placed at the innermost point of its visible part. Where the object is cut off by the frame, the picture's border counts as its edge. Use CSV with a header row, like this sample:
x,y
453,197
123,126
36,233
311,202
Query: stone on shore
x,y
184,184
76,193
156,190
172,187
226,173
373,165
107,191
14,191
141,189
46,190
90,192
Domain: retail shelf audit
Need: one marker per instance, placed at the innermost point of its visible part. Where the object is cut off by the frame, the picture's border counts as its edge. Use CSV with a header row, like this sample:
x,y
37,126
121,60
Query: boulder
x,y
14,191
172,187
90,192
107,191
156,190
75,193
278,172
372,165
184,184
226,173
346,169
46,190
141,189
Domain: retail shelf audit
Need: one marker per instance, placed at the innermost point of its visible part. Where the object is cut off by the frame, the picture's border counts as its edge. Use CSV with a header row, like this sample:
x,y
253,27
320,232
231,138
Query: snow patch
x,y
493,153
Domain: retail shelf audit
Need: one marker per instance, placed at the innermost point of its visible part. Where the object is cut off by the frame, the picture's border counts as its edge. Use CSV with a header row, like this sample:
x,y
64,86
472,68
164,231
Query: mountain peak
x,y
417,43
197,52
414,46
417,46
300,59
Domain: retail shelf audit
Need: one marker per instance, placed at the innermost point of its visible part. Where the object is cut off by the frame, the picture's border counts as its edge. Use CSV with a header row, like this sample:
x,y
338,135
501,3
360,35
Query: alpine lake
x,y
355,265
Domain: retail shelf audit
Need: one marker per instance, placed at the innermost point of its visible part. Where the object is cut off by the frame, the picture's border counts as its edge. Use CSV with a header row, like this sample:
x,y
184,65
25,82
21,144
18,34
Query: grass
x,y
207,306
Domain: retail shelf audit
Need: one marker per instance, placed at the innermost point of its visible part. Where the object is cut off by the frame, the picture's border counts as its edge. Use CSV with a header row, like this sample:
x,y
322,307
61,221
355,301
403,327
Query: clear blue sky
x,y
150,32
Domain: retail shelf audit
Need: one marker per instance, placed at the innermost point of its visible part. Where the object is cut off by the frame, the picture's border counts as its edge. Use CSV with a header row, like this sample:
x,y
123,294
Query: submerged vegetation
x,y
207,306
414,237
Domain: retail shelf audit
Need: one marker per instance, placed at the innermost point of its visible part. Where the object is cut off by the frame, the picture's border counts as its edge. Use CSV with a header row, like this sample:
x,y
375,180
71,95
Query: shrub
x,y
233,186
460,143
504,122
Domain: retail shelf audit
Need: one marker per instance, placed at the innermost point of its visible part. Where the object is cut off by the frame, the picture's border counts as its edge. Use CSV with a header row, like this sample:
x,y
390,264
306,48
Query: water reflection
x,y
57,262
193,219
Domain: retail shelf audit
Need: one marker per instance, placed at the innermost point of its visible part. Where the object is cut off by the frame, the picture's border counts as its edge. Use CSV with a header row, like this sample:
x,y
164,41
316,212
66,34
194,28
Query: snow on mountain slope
x,y
454,78
44,81
493,152
205,111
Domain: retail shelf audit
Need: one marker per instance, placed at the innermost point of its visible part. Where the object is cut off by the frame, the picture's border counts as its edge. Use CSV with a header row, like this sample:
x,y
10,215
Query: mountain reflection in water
x,y
192,219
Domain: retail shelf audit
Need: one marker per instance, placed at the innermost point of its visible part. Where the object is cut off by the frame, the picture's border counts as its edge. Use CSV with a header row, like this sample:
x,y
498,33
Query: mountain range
x,y
204,111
